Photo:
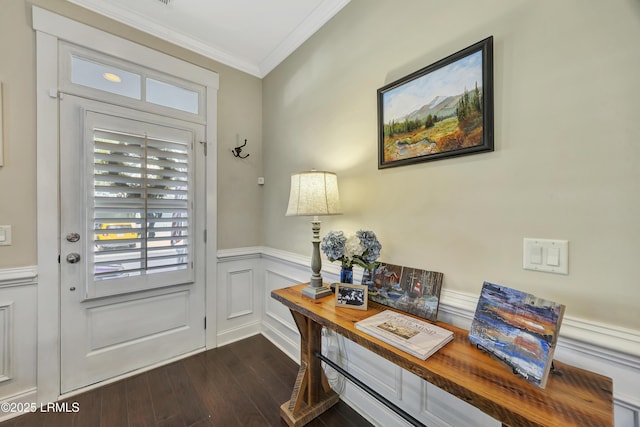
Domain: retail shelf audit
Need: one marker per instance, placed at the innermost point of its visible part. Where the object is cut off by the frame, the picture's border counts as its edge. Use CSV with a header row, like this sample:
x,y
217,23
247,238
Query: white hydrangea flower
x,y
353,247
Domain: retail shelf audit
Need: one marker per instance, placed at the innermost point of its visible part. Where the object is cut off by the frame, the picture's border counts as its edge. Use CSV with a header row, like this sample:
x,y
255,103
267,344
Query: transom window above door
x,y
99,76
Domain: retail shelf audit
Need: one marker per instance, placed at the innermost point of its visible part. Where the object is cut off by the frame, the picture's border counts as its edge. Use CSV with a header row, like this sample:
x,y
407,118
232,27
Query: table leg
x,y
311,394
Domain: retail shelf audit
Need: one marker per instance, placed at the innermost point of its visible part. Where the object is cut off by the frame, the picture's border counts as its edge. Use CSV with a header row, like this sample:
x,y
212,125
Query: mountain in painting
x,y
441,106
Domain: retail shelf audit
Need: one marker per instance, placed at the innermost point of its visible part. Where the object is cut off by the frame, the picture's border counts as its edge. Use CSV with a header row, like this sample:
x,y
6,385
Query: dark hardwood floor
x,y
240,384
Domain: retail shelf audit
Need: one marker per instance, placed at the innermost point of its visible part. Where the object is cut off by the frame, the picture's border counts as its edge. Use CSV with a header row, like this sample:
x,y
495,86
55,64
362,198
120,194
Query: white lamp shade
x,y
314,193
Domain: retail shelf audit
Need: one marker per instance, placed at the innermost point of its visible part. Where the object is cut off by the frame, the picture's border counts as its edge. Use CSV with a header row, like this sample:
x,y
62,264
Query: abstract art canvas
x,y
518,328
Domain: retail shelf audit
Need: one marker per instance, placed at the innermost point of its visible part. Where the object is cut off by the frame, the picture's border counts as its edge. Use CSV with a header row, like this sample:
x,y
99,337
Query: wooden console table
x,y
572,397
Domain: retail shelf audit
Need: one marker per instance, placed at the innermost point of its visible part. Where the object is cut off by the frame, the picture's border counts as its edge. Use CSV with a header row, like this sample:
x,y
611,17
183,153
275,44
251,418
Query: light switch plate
x,y
555,255
5,235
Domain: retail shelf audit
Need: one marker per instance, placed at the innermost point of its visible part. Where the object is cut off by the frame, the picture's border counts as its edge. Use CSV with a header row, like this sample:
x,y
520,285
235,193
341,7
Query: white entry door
x,y
132,256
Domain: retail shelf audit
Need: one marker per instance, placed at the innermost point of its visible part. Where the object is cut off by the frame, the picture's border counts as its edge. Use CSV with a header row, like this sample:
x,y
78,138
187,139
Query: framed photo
x,y
443,110
351,296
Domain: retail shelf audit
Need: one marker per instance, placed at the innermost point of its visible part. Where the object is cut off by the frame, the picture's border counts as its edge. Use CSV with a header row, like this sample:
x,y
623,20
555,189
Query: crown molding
x,y
323,13
140,22
320,16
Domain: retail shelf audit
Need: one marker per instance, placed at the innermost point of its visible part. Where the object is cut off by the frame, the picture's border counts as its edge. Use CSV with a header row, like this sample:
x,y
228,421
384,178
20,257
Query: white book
x,y
418,338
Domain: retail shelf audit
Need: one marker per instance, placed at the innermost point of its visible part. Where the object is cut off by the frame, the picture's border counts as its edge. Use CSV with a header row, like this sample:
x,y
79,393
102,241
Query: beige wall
x,y
18,176
239,113
564,166
567,145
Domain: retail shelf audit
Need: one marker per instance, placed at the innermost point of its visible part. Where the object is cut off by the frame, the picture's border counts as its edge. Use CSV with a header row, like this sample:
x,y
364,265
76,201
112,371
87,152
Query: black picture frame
x,y
432,113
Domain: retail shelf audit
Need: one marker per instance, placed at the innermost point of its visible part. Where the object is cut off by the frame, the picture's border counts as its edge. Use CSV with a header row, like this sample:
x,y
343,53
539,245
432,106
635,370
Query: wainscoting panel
x,y
239,295
6,332
626,412
444,406
425,402
378,373
608,350
17,335
278,324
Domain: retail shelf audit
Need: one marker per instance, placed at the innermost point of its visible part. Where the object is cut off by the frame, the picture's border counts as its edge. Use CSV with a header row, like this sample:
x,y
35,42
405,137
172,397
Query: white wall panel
x,y
278,324
378,373
273,308
438,403
17,335
627,412
238,295
6,329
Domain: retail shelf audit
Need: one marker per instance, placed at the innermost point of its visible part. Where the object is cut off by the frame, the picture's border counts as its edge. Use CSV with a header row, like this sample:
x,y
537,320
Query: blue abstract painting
x,y
519,329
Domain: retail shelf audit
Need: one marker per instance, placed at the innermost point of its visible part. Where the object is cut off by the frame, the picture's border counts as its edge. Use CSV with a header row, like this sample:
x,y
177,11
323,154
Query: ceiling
x,y
253,36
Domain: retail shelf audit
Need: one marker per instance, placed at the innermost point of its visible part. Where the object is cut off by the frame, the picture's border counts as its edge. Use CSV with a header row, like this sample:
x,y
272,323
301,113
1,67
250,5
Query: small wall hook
x,y
236,151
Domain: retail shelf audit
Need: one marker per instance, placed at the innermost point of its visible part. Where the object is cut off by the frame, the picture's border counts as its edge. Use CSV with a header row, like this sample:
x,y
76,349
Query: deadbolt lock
x,y
73,237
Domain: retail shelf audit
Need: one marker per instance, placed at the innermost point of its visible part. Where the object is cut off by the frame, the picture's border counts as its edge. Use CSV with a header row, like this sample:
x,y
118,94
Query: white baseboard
x,y
288,347
26,397
236,334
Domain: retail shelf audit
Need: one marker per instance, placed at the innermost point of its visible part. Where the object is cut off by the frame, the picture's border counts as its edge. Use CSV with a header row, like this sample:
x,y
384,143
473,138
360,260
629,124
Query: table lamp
x,y
314,193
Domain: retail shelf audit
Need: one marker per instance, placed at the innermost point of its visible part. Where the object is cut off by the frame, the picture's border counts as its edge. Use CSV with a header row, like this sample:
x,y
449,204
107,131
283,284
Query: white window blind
x,y
141,206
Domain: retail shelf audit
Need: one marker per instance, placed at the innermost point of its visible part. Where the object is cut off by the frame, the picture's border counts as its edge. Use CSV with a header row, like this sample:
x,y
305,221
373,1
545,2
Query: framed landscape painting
x,y
440,111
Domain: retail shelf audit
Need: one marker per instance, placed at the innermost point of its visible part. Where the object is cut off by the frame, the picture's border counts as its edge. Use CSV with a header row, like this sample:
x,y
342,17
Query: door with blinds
x,y
132,240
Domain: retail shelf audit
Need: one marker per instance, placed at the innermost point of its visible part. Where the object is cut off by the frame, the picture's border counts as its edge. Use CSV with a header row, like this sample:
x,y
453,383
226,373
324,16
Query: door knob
x,y
73,257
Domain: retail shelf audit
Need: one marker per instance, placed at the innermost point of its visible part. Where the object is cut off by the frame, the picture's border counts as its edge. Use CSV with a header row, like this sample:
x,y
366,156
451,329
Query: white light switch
x,y
5,235
536,254
553,257
547,255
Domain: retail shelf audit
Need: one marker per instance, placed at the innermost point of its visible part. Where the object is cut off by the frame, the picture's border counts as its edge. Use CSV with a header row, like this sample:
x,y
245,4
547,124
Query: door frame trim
x,y
50,28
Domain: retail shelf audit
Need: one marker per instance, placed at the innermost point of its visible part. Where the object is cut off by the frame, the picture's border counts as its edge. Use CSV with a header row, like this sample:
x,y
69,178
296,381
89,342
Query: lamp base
x,y
316,292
